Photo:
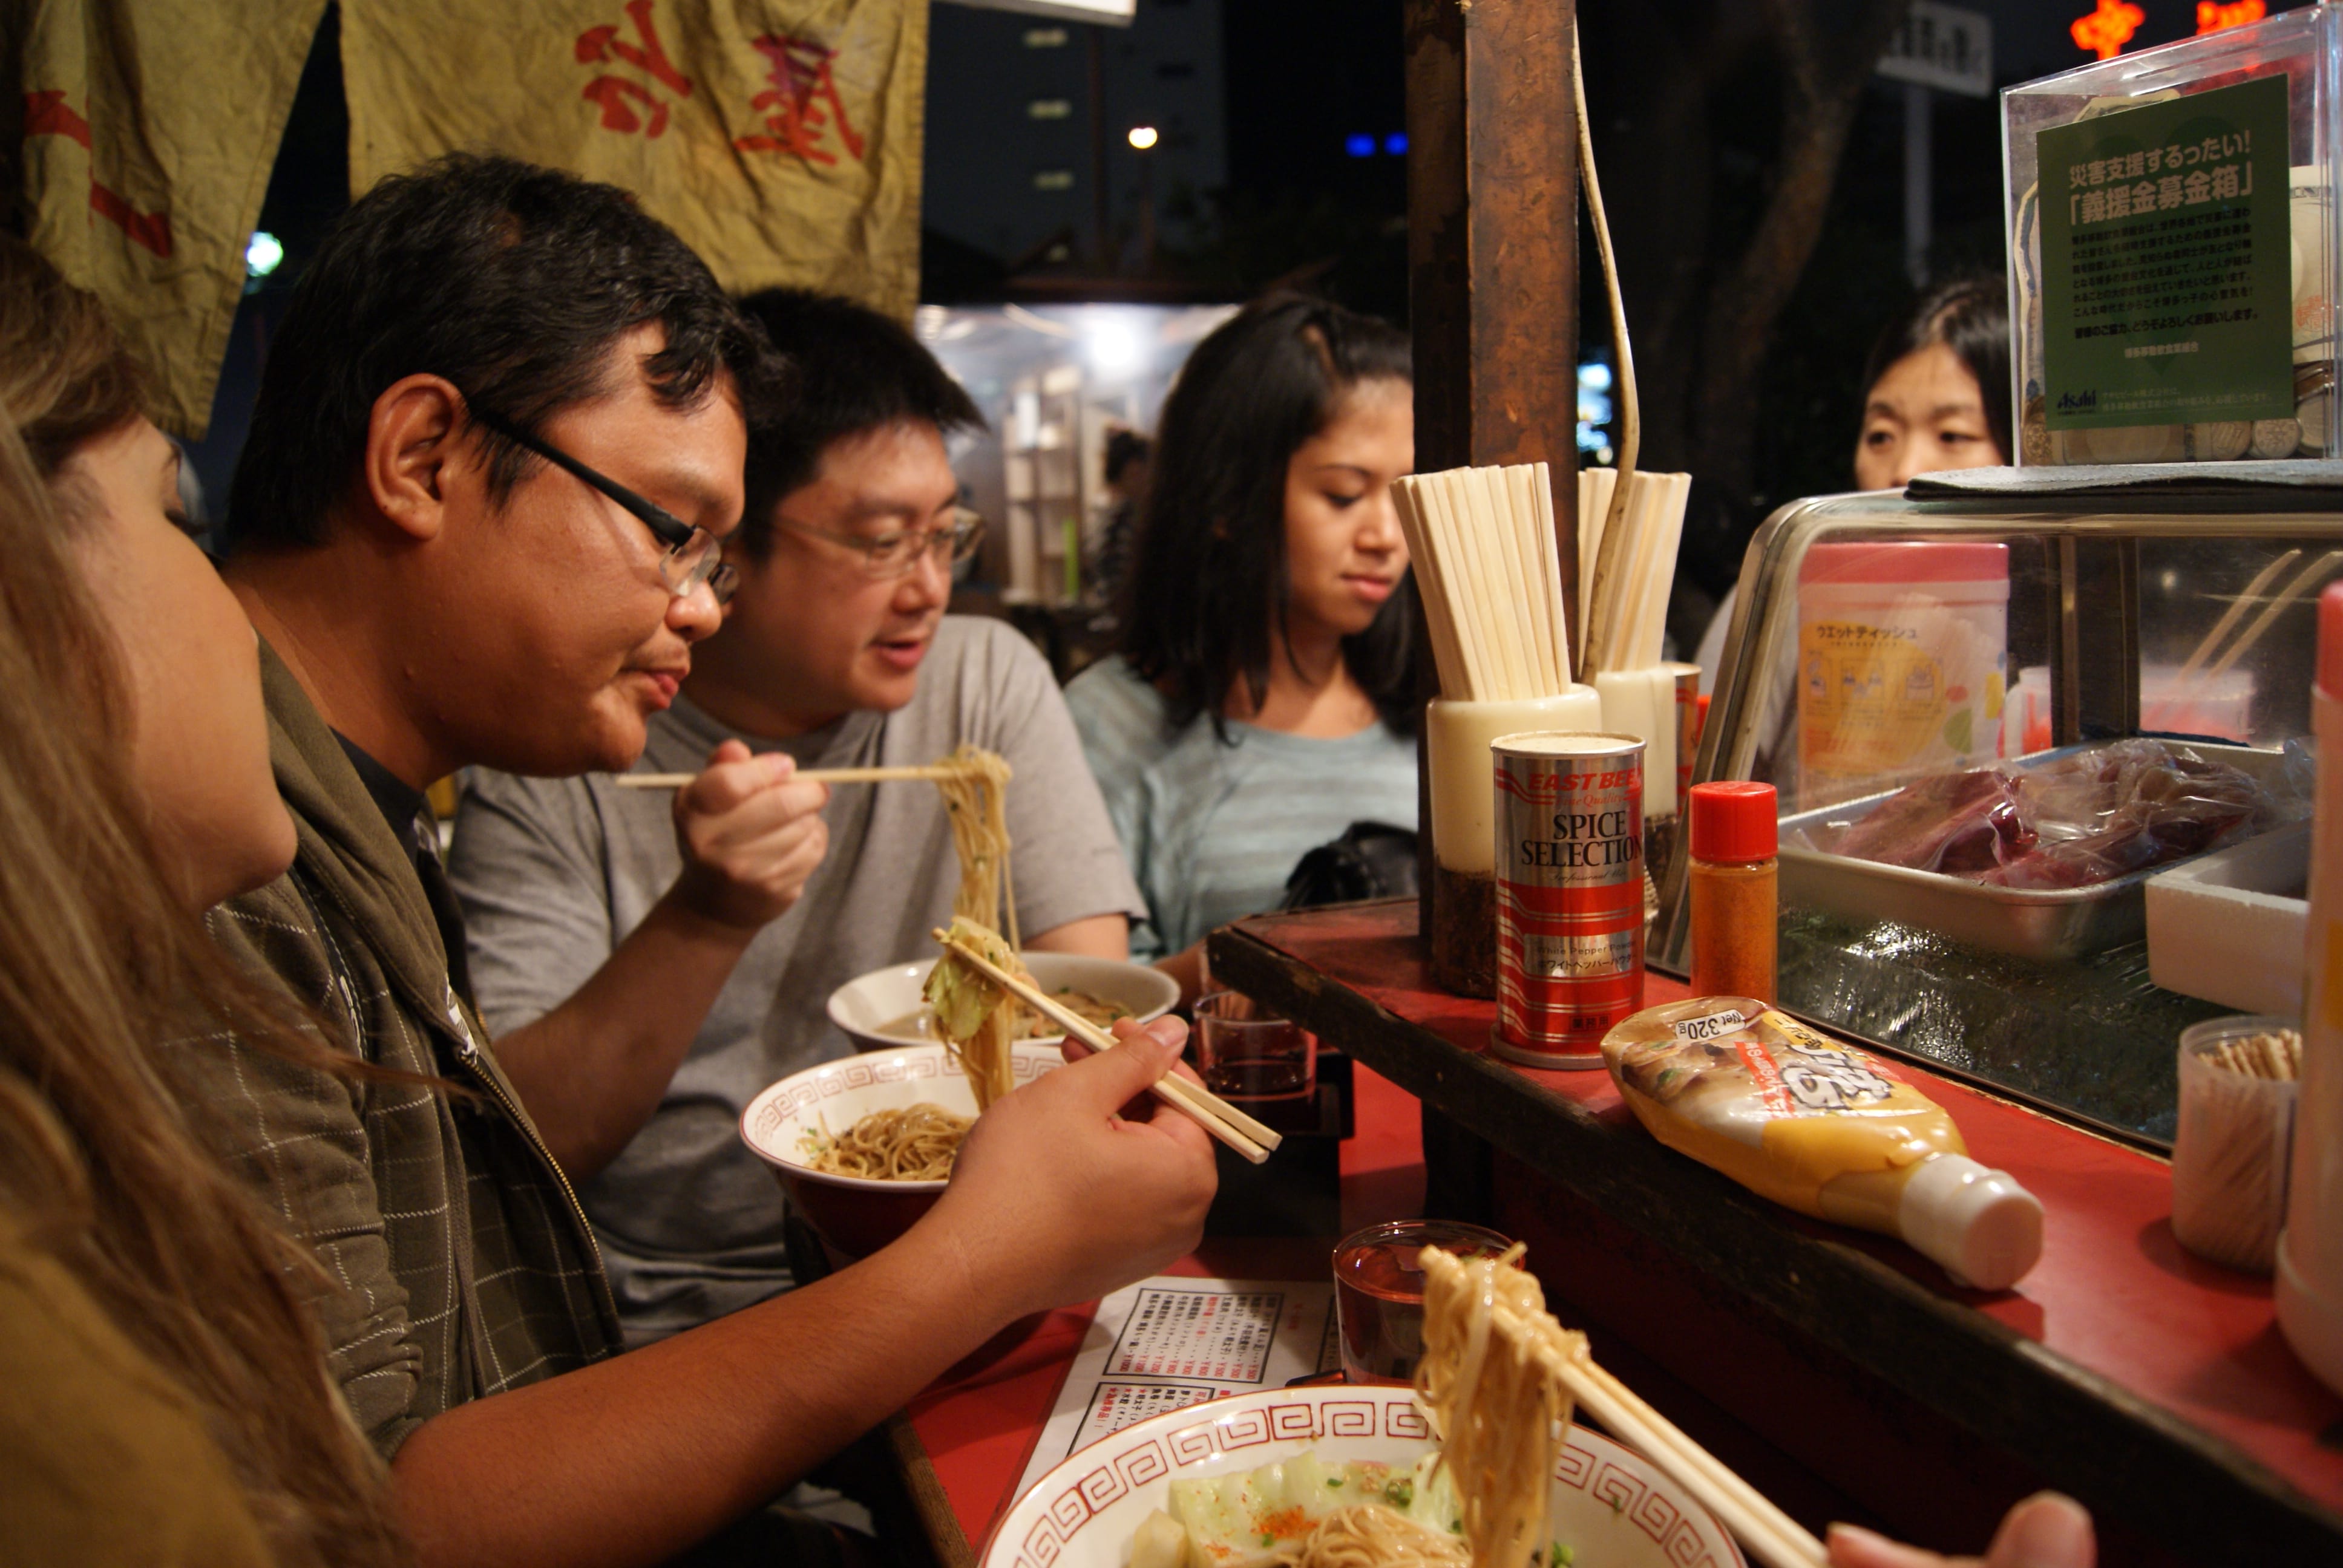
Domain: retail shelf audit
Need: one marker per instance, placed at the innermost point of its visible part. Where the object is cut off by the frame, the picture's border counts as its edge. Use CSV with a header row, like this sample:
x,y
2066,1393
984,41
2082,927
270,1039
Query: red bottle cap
x,y
1736,821
2331,641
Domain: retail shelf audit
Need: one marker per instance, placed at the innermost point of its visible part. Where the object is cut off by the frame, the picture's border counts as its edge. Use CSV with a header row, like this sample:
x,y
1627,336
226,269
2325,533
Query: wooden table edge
x,y
2086,1433
929,1498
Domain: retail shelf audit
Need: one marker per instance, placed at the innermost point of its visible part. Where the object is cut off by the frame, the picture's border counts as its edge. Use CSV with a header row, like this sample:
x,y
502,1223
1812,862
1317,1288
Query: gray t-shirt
x,y
1212,829
554,873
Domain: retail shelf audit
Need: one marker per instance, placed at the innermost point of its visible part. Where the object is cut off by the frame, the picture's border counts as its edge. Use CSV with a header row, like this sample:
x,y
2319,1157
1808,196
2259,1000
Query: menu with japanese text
x,y
1166,1344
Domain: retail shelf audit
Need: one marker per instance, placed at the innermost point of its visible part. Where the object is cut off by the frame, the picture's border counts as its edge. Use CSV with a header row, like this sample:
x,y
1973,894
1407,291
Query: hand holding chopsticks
x,y
1216,1116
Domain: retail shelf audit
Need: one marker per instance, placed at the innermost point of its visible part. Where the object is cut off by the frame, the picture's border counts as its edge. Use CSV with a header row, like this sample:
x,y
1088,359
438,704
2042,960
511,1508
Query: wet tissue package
x,y
1821,1128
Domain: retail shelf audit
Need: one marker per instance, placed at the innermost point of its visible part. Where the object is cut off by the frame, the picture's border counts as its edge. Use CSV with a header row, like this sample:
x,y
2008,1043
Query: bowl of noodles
x,y
863,1146
1231,1484
883,1010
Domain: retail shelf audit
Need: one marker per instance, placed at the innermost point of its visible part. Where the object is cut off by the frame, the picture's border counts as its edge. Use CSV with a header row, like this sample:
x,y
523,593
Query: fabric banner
x,y
780,138
150,127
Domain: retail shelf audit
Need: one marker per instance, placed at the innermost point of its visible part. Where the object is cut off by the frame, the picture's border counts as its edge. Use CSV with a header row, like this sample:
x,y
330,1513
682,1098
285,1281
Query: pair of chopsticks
x,y
2190,675
1771,1535
810,775
1201,1105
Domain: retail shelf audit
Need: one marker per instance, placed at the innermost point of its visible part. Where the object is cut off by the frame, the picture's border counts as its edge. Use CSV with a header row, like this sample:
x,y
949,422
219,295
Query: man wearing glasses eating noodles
x,y
499,441
836,652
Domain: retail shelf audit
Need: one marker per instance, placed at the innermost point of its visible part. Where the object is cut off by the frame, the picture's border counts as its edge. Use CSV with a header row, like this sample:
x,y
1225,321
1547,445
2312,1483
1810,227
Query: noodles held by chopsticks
x,y
914,1143
976,798
970,1017
1492,1381
1368,1535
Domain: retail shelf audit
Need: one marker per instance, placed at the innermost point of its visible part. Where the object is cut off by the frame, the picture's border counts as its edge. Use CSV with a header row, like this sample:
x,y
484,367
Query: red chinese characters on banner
x,y
2107,29
801,105
612,93
2212,16
46,114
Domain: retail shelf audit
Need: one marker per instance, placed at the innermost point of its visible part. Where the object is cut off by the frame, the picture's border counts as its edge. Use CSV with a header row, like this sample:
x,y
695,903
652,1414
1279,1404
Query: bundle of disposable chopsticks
x,y
1626,563
1523,1339
1216,1116
2273,1053
1482,541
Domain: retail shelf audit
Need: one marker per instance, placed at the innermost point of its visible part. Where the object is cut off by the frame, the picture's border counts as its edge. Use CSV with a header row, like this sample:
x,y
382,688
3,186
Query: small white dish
x,y
873,1009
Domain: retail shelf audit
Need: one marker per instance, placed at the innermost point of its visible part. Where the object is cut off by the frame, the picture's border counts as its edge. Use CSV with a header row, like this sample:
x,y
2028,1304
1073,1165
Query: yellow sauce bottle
x,y
1821,1128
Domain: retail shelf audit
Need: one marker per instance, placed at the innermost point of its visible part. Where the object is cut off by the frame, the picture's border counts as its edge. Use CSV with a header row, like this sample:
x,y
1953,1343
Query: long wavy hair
x,y
105,977
1208,593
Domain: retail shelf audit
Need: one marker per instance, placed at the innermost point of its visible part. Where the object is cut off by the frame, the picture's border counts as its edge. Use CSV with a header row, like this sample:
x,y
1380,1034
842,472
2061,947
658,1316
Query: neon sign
x,y
2108,28
2212,16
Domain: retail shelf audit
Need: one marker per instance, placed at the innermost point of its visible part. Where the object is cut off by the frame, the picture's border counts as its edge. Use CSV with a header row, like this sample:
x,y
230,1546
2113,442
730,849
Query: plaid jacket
x,y
466,1266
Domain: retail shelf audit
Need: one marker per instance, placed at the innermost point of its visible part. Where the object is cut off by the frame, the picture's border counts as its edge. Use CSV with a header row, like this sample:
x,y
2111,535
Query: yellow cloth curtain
x,y
780,138
150,126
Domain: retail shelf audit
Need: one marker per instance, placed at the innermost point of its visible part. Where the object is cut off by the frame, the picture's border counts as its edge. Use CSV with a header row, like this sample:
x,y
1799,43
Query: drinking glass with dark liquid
x,y
1244,1052
1379,1291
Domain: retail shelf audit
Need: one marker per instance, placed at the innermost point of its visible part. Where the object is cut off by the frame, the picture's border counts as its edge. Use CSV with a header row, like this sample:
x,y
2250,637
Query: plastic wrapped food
x,y
2073,821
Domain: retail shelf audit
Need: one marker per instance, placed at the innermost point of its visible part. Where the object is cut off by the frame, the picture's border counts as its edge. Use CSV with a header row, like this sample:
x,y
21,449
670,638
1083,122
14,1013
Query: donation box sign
x,y
2167,263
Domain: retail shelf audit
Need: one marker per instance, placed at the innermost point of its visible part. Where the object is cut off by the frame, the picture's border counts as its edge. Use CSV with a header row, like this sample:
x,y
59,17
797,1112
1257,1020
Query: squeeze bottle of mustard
x,y
2310,1286
1733,880
1823,1128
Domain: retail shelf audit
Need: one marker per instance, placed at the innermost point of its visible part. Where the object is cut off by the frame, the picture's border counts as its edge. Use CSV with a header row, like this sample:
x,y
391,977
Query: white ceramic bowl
x,y
857,1215
1609,1506
864,1006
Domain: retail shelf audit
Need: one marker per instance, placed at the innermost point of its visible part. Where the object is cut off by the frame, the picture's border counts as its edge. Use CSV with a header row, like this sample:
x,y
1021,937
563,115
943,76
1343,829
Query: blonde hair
x,y
105,977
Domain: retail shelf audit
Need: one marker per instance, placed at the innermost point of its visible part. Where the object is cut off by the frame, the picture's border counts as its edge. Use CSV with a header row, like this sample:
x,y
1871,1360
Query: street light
x,y
1142,136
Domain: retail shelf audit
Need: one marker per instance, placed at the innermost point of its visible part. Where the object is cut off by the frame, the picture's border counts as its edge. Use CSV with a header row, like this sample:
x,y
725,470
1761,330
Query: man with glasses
x,y
476,523
836,653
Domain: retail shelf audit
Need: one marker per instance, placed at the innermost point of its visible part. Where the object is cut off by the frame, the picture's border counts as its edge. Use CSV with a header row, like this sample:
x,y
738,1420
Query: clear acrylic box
x,y
2160,337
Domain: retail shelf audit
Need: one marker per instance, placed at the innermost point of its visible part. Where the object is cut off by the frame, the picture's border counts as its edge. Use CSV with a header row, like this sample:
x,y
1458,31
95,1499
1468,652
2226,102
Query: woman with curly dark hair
x,y
1264,696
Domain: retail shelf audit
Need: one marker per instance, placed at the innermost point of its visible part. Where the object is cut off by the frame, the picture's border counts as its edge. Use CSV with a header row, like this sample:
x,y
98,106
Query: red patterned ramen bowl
x,y
1609,1506
857,1216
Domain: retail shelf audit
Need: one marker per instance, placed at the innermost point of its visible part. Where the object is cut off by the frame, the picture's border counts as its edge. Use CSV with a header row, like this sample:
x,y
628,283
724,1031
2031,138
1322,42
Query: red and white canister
x,y
1569,893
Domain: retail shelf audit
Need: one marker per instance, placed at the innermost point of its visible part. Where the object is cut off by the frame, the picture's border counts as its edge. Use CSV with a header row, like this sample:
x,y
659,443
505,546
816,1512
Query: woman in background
x,y
1936,398
1264,696
163,1394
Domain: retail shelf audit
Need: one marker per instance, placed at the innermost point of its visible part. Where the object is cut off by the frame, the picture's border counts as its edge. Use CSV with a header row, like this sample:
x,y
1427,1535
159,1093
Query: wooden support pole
x,y
1492,243
1492,261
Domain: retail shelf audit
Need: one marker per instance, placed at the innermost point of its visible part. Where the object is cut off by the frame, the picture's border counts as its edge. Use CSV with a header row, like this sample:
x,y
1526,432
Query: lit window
x,y
1045,37
1048,109
1054,179
1360,146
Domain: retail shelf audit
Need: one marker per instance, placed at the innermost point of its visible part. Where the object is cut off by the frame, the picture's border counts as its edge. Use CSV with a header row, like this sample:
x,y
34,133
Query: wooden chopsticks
x,y
810,775
1209,1110
1771,1535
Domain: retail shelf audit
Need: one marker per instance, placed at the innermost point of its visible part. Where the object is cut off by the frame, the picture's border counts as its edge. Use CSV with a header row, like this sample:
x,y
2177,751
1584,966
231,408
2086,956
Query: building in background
x,y
1029,123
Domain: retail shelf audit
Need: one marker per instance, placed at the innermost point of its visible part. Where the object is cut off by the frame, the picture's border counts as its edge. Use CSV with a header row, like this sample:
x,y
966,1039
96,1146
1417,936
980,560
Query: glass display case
x,y
1935,685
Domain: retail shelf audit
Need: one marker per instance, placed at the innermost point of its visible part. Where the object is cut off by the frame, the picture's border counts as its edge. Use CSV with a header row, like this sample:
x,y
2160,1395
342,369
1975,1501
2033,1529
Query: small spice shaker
x,y
2236,1129
1734,836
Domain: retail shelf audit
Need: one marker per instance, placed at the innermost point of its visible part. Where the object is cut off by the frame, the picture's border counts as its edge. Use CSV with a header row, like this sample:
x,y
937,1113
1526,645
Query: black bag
x,y
1369,861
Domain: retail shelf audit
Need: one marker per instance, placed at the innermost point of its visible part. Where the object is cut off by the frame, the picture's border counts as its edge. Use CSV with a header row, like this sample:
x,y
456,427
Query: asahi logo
x,y
2078,402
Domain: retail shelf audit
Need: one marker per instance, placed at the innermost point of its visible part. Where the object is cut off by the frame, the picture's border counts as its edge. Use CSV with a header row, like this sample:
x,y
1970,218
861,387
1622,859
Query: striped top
x,y
1212,829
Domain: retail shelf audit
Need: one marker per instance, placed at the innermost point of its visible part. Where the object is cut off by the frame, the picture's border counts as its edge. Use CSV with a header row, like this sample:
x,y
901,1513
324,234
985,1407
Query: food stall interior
x,y
1995,716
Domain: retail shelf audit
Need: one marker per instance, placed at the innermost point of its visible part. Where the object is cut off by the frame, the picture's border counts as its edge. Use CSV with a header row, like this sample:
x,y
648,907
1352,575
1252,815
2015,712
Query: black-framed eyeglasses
x,y
890,556
694,556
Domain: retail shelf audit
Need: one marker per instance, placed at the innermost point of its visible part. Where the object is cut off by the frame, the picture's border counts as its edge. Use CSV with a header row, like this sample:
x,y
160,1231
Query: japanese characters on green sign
x,y
2168,280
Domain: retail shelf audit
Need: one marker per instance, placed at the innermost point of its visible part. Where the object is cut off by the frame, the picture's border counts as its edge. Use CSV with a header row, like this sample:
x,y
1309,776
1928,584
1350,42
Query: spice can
x,y
1569,812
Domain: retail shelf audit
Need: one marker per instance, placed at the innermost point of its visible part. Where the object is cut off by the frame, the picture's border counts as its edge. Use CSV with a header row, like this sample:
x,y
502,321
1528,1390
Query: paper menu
x,y
1169,1342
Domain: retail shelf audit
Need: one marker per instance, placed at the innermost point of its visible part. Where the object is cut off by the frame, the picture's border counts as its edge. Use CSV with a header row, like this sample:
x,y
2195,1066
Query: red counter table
x,y
962,1445
2123,1371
